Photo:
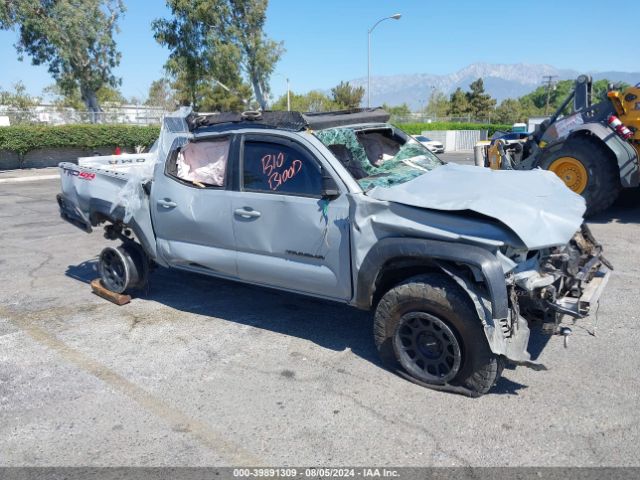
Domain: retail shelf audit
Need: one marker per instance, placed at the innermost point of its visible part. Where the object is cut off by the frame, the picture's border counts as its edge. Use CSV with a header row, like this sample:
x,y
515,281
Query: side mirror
x,y
330,188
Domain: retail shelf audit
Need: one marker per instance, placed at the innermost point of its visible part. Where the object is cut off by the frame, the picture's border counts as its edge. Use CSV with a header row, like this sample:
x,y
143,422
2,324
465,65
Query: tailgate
x,y
87,191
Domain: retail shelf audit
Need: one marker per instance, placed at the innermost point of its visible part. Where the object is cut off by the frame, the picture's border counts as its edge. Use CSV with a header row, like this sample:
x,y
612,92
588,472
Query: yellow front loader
x,y
594,150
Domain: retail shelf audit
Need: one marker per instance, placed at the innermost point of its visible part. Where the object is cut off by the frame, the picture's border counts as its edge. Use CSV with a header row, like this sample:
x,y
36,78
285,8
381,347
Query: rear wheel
x,y
427,329
123,268
587,169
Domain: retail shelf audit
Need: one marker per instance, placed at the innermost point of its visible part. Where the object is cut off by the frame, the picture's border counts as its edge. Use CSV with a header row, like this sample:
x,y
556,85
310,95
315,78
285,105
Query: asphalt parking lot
x,y
198,371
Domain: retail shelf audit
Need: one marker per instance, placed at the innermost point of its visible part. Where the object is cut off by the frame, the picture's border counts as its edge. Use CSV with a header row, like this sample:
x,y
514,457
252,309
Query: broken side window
x,y
203,162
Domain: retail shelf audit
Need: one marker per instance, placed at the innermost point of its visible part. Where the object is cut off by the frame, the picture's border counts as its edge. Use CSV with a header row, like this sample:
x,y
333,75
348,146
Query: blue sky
x,y
326,40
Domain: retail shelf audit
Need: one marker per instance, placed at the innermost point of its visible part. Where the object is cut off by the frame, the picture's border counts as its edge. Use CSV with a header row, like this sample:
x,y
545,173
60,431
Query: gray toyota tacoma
x,y
455,261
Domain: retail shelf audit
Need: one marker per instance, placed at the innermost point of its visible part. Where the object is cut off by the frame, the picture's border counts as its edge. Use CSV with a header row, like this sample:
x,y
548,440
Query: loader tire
x,y
427,330
586,167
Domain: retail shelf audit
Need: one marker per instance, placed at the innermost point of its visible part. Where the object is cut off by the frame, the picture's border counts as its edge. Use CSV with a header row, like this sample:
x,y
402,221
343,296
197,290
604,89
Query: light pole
x,y
392,17
288,90
288,96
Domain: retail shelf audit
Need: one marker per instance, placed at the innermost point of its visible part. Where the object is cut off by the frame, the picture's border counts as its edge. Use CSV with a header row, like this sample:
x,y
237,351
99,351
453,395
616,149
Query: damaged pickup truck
x,y
456,261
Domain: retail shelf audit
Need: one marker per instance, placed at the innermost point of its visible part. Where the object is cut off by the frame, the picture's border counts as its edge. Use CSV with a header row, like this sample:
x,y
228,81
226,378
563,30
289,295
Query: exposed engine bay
x,y
558,281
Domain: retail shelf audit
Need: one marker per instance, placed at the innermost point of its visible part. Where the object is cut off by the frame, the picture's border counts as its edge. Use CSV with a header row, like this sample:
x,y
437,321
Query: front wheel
x,y
427,329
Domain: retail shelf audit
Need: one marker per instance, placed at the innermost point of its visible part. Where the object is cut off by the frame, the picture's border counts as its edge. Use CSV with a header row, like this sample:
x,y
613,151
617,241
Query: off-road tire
x,y
441,297
603,184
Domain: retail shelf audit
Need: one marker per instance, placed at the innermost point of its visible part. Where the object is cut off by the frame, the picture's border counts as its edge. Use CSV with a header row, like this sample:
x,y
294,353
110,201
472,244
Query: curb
x,y
33,178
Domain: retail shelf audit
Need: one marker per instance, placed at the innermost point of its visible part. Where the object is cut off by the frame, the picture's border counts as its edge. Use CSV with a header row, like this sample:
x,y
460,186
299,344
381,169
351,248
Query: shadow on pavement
x,y
506,387
84,272
626,209
537,340
327,324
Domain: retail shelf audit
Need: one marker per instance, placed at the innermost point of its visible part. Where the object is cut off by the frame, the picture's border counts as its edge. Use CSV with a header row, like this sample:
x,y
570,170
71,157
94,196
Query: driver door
x,y
287,235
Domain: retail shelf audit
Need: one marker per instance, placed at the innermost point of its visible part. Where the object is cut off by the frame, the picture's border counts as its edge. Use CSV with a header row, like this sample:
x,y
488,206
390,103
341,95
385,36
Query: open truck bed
x,y
91,195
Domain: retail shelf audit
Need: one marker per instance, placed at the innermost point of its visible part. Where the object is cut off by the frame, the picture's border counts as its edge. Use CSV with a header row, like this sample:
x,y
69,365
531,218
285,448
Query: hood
x,y
536,205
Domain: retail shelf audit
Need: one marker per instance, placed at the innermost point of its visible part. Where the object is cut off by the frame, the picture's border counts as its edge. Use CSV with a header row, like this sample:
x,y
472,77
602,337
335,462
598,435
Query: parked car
x,y
433,145
454,260
510,138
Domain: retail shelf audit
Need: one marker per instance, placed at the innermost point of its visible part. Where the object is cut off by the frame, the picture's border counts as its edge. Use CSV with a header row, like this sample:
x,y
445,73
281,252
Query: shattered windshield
x,y
378,156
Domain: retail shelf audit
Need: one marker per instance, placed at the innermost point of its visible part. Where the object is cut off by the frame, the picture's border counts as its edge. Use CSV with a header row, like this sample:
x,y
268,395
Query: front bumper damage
x,y
565,281
583,306
542,290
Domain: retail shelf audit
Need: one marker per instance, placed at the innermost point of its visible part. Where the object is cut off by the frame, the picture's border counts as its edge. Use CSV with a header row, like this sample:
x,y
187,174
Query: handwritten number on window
x,y
271,161
276,175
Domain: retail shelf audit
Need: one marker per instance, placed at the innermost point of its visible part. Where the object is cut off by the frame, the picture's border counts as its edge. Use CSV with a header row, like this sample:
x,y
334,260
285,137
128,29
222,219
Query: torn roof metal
x,y
340,118
291,121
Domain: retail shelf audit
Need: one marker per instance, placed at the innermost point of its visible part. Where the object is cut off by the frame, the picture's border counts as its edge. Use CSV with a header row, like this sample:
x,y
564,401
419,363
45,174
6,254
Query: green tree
x,y
510,111
62,100
73,38
438,105
401,110
313,101
161,95
211,43
259,53
73,98
346,95
194,53
216,98
601,88
559,91
481,104
107,94
18,98
459,104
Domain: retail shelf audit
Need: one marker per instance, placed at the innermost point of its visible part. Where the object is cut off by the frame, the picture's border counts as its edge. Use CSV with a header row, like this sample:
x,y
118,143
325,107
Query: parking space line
x,y
28,179
235,454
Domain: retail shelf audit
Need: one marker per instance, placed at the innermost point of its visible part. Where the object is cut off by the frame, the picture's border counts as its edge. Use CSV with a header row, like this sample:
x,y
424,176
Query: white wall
x,y
456,140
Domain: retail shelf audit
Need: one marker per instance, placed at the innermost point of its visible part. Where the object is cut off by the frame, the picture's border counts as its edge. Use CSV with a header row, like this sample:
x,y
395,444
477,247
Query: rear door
x,y
287,236
191,208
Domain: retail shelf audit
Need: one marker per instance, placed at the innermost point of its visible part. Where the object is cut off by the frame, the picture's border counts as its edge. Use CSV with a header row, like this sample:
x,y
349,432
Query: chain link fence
x,y
51,115
424,118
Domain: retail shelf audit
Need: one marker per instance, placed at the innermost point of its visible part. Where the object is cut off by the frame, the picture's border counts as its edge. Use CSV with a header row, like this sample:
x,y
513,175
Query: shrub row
x,y
417,128
23,139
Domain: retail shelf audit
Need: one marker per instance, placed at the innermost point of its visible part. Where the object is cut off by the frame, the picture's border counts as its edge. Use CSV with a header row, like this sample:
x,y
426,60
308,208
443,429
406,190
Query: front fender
x,y
493,311
423,249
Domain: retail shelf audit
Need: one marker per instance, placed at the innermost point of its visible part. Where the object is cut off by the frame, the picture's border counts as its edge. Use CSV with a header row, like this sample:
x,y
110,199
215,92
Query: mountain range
x,y
500,81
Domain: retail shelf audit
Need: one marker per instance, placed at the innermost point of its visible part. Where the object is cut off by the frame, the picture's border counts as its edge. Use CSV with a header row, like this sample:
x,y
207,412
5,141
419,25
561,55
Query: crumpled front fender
x,y
512,346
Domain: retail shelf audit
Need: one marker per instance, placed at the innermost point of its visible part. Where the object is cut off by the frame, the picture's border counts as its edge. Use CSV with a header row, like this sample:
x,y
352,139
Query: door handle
x,y
167,203
247,212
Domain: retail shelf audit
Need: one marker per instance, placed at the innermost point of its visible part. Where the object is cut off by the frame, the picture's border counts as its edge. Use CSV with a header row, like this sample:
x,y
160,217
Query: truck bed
x,y
91,195
83,187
